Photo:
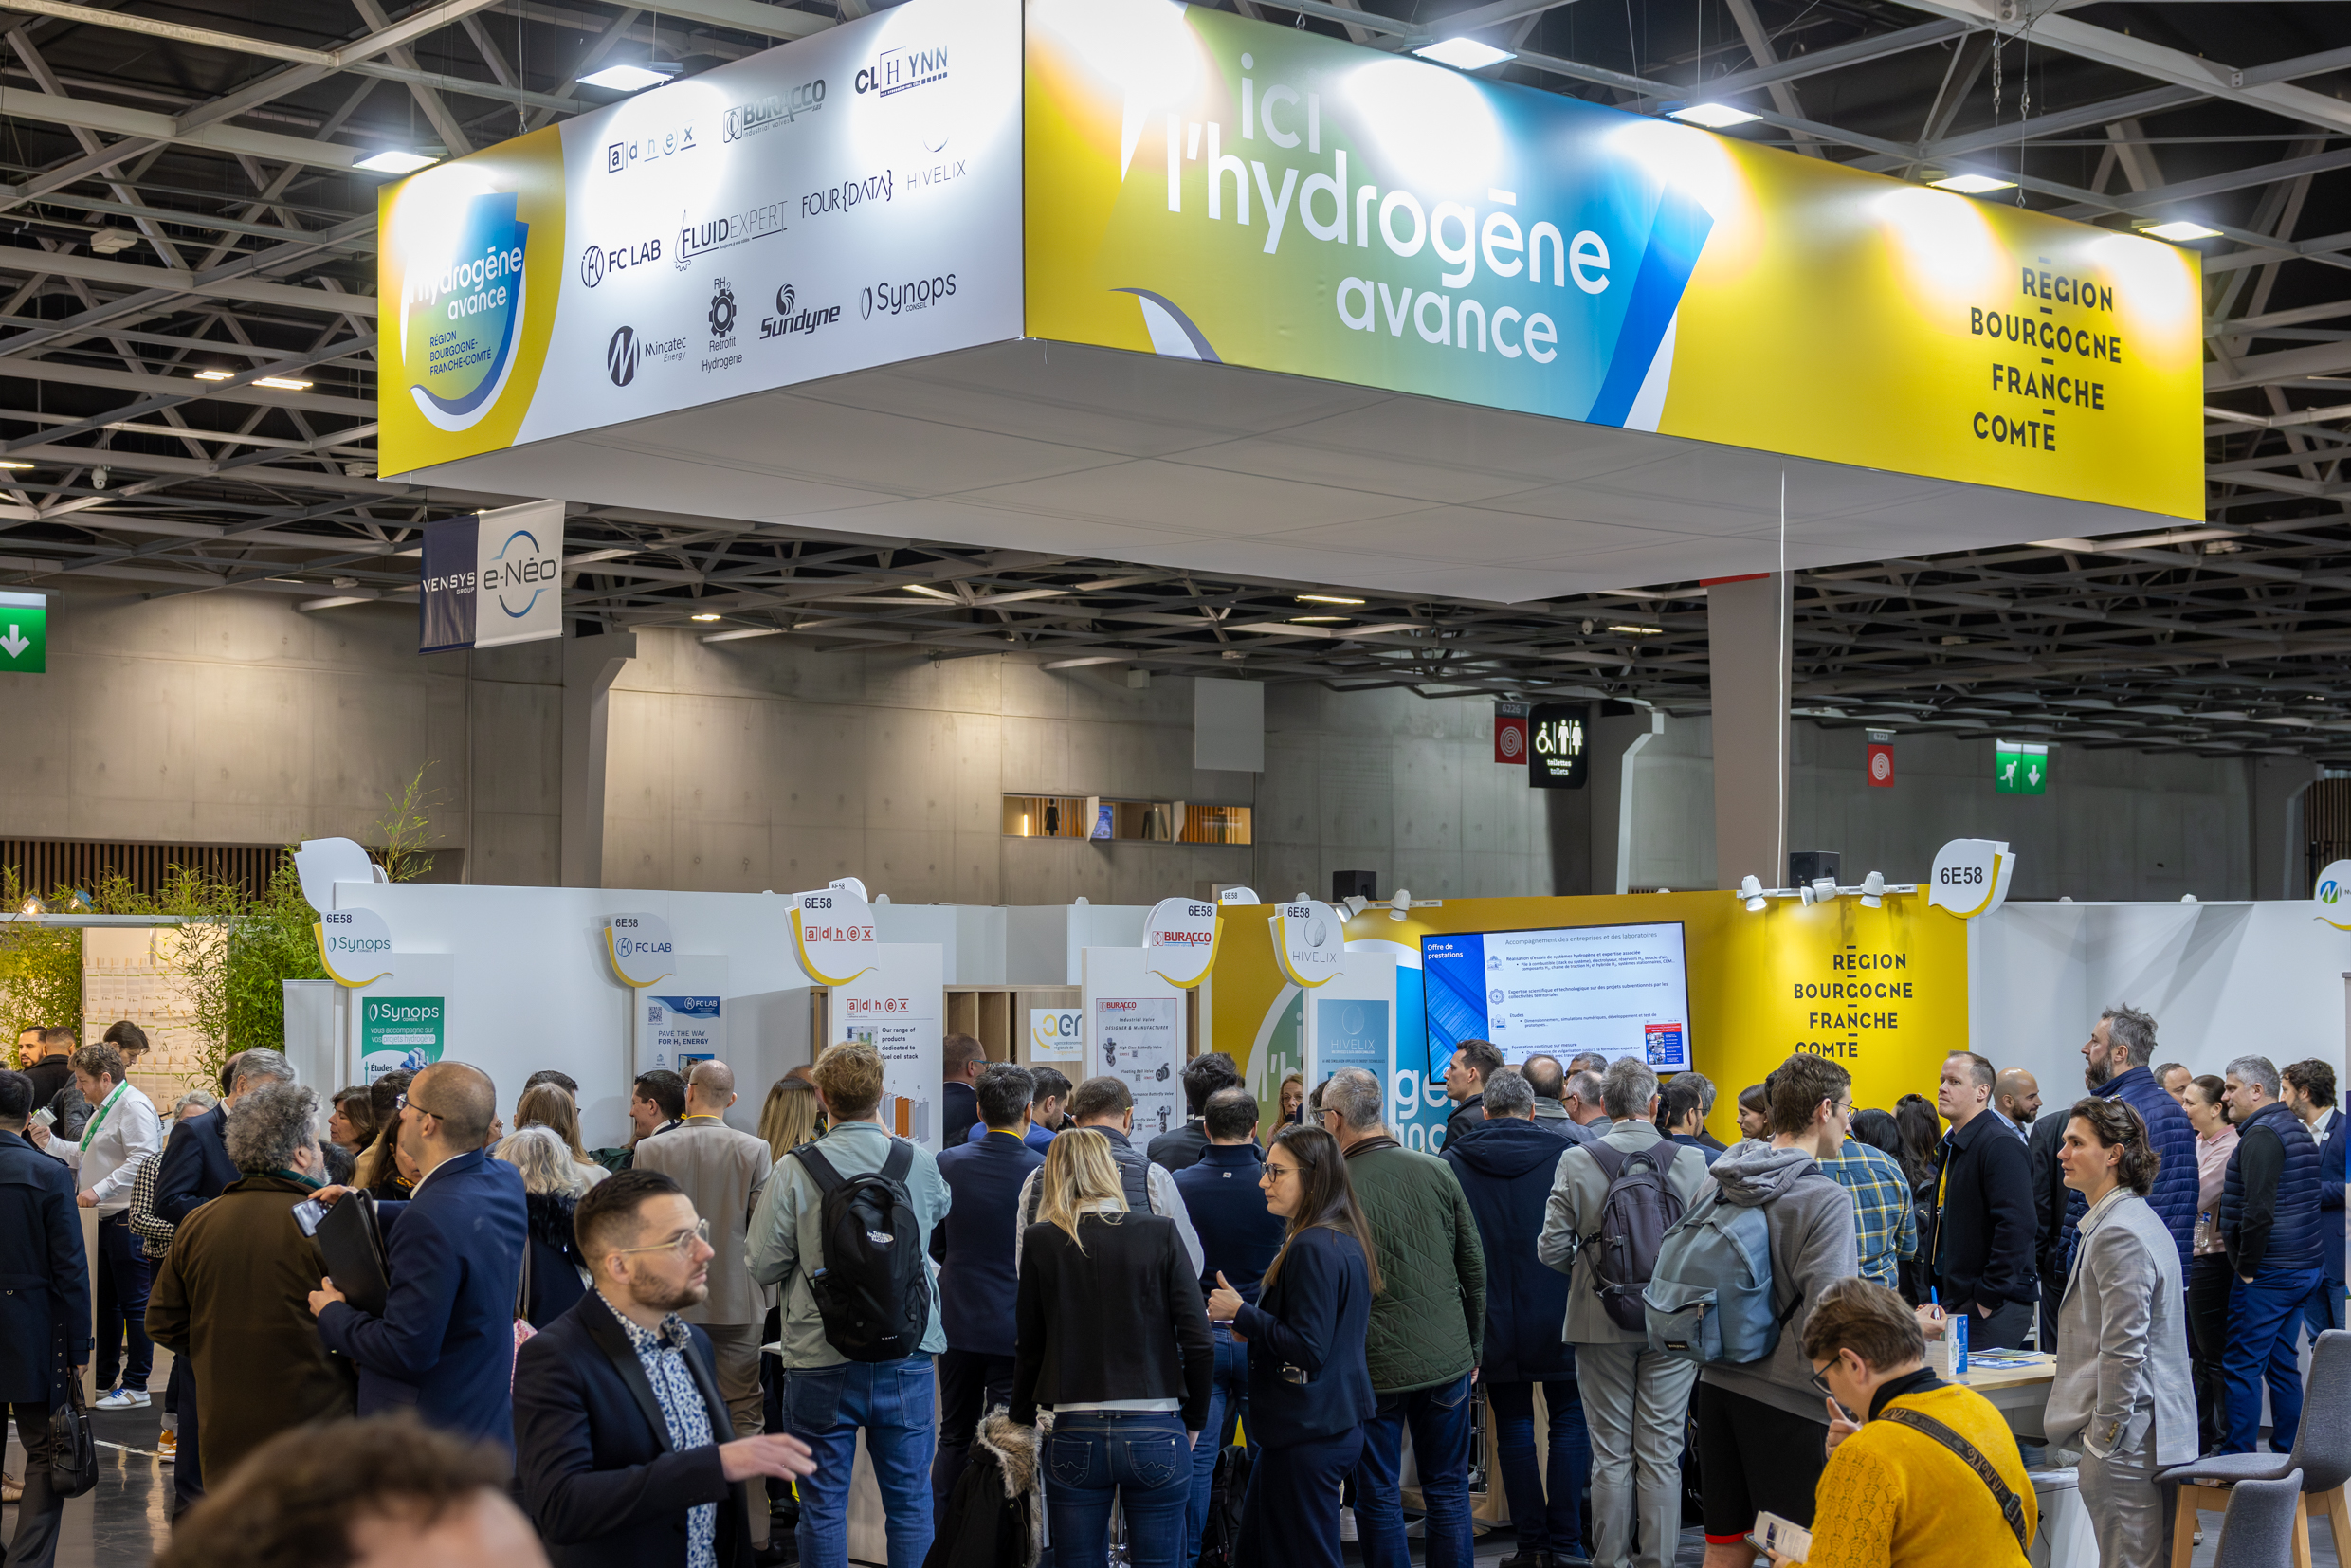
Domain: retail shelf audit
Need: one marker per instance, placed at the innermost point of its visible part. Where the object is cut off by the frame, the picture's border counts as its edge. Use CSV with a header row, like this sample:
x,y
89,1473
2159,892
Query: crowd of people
x,y
671,1350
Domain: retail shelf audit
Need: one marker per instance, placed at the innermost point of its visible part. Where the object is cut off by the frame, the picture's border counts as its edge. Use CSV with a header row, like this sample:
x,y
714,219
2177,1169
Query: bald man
x,y
723,1172
2017,1099
443,1346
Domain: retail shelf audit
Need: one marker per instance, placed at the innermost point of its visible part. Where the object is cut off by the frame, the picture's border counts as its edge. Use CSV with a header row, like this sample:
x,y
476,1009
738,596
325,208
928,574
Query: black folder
x,y
355,1252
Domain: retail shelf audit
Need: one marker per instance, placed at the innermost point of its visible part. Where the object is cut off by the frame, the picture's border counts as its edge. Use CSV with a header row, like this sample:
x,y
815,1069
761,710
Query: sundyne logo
x,y
787,321
459,327
745,119
892,298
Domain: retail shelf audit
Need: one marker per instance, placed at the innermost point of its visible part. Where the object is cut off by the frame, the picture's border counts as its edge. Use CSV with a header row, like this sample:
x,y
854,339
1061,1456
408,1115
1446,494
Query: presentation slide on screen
x,y
1619,989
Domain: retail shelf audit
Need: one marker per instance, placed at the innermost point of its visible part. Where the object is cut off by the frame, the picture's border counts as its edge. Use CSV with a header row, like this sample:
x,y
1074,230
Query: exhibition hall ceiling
x,y
188,394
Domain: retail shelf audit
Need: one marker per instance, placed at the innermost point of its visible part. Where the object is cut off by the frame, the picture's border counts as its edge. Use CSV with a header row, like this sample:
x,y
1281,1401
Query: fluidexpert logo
x,y
894,298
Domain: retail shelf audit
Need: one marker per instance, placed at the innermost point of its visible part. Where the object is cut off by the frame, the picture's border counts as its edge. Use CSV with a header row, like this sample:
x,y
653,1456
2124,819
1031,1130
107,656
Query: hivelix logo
x,y
744,119
595,261
900,71
787,321
893,298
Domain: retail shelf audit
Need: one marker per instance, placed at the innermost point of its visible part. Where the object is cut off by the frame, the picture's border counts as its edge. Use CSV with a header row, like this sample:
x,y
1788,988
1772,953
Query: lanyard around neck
x,y
98,1120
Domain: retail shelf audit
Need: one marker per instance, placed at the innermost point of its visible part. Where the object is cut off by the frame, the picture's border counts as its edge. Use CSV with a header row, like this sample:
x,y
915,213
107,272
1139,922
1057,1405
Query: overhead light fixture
x,y
1639,630
1750,892
1971,184
106,241
1464,54
1400,905
1319,620
283,383
214,375
1326,599
705,617
1714,116
12,464
628,78
391,160
2179,230
1873,890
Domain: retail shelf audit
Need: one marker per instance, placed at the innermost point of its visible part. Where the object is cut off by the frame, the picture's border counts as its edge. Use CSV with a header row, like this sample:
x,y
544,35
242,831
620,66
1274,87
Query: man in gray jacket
x,y
1635,1397
1761,1426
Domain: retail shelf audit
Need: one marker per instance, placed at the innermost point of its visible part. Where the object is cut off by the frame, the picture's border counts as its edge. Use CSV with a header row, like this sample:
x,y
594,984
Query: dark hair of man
x,y
384,1095
296,1504
2164,1070
341,1164
100,1061
1100,1099
1204,1076
1231,1114
1004,1092
1798,1086
1868,1320
1545,1076
1680,1097
606,1217
1587,1061
548,1075
2116,1123
1879,1130
1325,1196
228,1074
664,1089
60,1038
464,1099
1979,1069
958,1052
126,1037
15,1097
1479,1056
2314,1078
1052,1084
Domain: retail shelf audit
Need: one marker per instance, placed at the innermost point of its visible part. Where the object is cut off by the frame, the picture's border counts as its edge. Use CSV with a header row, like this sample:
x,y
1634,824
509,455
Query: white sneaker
x,y
122,1399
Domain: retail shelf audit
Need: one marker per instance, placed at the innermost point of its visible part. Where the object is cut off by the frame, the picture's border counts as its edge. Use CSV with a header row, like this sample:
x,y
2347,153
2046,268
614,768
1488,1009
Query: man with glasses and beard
x,y
2115,1063
602,1484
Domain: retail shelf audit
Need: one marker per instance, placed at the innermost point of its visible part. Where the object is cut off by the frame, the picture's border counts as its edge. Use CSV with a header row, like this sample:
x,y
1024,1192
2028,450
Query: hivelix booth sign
x,y
1182,182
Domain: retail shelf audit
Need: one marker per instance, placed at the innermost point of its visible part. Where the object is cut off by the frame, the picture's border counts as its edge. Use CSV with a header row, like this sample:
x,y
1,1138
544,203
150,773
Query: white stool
x,y
2066,1538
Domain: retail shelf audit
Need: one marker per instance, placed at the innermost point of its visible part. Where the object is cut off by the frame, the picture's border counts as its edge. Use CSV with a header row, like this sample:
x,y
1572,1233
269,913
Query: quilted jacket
x,y
1430,1314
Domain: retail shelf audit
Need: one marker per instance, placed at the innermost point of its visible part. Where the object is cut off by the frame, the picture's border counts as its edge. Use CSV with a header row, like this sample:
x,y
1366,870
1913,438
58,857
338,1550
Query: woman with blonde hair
x,y
791,1117
1110,1333
550,1106
552,1183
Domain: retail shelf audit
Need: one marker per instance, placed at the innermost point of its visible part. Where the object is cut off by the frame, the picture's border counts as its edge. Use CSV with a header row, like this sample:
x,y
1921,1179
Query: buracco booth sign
x,y
492,578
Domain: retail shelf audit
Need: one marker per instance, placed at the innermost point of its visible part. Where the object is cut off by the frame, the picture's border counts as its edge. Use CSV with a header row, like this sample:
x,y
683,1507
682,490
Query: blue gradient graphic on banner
x,y
1676,236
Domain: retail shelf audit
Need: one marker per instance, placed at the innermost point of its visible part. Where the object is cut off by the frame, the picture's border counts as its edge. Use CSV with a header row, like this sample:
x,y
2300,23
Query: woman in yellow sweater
x,y
1896,1494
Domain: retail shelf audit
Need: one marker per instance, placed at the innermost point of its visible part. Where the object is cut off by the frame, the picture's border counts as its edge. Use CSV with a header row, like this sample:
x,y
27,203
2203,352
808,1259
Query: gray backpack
x,y
1709,1299
1638,1212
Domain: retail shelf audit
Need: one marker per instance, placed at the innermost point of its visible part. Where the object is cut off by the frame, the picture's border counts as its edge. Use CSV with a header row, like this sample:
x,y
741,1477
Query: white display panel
x,y
1619,990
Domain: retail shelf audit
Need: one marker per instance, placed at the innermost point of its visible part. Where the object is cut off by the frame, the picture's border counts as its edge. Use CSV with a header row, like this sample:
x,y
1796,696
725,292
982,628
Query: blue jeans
x,y
2265,1320
1439,1418
1226,1391
1135,1456
1546,1512
897,1404
2323,1310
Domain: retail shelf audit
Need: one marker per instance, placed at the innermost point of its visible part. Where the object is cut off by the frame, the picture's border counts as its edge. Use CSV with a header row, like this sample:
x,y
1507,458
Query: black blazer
x,y
1985,1240
1121,1320
1313,1316
44,1288
195,1167
599,1477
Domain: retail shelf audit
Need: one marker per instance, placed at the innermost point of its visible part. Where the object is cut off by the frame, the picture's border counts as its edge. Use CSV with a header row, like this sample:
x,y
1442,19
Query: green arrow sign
x,y
23,635
2020,767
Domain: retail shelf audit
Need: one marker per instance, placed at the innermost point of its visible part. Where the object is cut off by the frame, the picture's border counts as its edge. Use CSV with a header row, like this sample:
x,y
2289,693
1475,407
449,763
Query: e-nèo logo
x,y
461,323
892,298
787,321
596,260
749,118
514,569
899,70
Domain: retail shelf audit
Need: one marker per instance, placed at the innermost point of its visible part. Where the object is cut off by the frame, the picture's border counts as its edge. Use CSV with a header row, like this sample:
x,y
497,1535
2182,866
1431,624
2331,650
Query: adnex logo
x,y
891,298
787,321
899,70
595,260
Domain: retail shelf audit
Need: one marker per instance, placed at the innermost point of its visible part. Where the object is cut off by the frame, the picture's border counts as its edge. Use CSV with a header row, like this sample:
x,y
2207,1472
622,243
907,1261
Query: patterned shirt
x,y
663,1354
1887,1226
153,1231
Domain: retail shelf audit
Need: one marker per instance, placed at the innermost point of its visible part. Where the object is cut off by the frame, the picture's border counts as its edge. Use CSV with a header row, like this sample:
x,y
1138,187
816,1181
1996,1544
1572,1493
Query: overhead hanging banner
x,y
846,201
492,578
1971,877
1209,188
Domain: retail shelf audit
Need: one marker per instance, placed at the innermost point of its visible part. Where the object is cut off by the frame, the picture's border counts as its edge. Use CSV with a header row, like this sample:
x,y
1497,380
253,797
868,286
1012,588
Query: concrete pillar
x,y
590,666
1749,651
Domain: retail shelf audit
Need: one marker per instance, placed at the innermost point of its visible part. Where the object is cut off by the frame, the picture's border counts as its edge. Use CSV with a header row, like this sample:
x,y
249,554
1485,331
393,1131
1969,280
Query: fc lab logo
x,y
459,325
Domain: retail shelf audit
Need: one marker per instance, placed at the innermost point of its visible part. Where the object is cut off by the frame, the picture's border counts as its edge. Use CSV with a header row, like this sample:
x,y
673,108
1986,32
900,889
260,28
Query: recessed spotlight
x,y
283,383
1714,116
213,375
1971,184
391,160
705,617
2179,230
1326,599
1464,54
628,78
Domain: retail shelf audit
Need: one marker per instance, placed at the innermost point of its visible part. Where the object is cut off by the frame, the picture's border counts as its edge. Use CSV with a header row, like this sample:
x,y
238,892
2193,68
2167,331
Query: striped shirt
x,y
1887,1227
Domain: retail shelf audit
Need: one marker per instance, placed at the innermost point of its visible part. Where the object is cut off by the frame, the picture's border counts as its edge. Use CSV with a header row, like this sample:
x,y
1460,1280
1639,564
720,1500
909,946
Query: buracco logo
x,y
890,298
896,71
745,119
598,260
786,321
620,356
459,325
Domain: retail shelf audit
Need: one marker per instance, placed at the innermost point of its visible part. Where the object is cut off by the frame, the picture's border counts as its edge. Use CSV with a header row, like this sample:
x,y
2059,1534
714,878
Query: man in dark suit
x,y
194,1169
962,1059
48,1301
444,1345
1203,1076
978,1284
2308,1091
1983,1242
623,1443
2042,1141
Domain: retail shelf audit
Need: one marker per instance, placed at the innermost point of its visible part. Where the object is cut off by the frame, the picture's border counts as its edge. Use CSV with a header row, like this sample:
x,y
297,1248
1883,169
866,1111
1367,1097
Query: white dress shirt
x,y
105,1162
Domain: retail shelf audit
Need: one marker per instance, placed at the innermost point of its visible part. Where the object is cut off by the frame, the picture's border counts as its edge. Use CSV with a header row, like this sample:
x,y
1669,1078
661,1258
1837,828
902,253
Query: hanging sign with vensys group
x,y
492,578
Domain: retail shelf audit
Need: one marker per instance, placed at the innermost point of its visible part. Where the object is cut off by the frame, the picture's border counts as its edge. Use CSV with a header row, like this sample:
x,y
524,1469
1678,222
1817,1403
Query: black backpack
x,y
1635,1217
1220,1536
873,1285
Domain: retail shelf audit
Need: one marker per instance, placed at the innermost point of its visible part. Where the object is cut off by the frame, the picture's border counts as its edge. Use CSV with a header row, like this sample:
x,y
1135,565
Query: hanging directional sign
x,y
2020,767
25,647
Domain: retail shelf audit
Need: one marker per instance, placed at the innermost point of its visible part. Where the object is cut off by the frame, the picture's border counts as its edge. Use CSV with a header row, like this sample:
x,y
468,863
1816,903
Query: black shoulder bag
x,y
2011,1507
73,1452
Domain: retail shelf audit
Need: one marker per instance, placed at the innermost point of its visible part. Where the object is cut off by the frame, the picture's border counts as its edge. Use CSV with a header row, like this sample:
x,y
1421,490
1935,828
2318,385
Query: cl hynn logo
x,y
896,71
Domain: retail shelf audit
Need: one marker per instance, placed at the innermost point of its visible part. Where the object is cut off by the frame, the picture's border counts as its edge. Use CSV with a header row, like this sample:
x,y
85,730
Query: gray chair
x,y
2321,1458
2260,1527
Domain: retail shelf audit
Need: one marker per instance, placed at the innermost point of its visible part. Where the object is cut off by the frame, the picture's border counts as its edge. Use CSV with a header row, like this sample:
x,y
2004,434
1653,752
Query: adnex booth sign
x,y
1183,182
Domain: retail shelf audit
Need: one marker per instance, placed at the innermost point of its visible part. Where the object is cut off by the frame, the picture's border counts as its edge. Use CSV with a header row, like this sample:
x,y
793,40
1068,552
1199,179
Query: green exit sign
x,y
2020,767
23,635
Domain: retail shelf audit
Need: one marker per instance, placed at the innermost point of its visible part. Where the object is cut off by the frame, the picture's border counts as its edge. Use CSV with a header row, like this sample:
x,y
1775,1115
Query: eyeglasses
x,y
682,1243
1820,1380
401,1102
1278,1172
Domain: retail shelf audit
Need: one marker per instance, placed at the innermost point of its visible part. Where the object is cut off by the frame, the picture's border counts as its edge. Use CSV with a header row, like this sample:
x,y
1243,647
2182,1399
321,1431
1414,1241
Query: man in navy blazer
x,y
978,1284
2308,1091
46,1303
624,1447
444,1345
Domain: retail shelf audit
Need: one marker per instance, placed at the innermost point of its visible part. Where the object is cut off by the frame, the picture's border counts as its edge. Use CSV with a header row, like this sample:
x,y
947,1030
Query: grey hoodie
x,y
1814,1242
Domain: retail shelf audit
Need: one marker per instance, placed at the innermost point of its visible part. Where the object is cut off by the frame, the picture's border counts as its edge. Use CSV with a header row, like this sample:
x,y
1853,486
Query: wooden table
x,y
2019,1391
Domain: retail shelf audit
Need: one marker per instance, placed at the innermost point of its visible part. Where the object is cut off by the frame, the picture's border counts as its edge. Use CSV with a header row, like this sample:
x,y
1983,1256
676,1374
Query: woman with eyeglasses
x,y
1109,1333
1309,1390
